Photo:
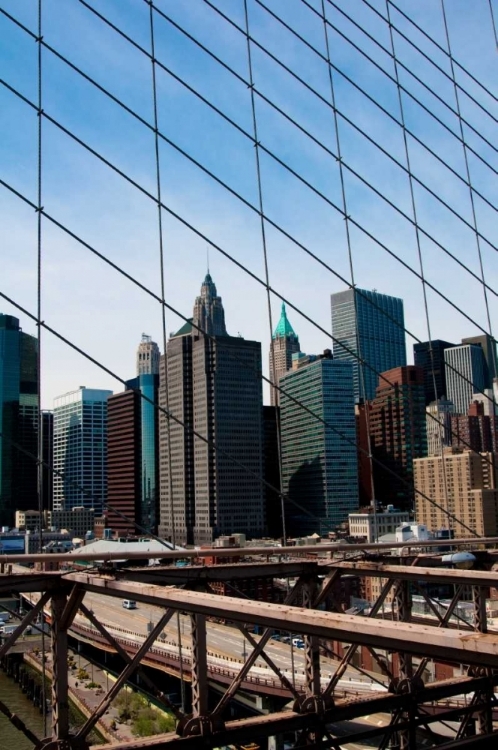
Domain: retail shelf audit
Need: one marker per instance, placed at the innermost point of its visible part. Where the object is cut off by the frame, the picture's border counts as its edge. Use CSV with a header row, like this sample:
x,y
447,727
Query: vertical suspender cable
x,y
469,182
163,322
39,466
265,255
493,22
361,369
420,256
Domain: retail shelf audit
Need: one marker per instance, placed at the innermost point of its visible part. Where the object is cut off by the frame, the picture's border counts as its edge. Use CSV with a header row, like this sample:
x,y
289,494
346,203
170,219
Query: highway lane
x,y
226,644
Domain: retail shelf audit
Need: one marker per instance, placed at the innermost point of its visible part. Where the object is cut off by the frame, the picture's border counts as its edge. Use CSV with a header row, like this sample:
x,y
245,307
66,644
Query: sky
x,y
104,313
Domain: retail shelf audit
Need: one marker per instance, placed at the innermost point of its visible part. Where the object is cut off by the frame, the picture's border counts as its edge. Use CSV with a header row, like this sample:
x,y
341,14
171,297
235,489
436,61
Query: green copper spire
x,y
284,328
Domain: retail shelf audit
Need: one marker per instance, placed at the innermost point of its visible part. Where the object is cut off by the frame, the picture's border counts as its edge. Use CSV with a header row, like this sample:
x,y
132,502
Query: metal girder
x,y
423,640
314,549
60,700
251,659
311,646
127,659
31,615
171,575
418,574
346,659
123,677
240,731
199,666
29,581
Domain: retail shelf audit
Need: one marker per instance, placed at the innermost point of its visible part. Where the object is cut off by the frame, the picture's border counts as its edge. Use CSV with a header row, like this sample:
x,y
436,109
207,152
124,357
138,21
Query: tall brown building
x,y
284,344
213,387
397,434
471,493
123,460
475,430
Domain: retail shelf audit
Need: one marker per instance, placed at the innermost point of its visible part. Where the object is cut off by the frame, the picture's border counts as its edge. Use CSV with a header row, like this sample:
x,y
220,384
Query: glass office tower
x,y
80,449
147,384
369,326
18,420
319,461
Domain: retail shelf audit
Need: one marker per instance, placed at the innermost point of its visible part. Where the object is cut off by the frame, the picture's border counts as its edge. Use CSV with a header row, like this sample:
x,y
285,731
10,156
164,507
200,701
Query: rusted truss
x,y
317,703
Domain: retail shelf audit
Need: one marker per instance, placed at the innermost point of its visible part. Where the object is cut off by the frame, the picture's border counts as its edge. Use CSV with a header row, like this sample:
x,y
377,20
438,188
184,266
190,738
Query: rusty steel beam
x,y
422,640
127,659
60,688
29,581
243,730
123,677
24,623
419,574
315,549
171,575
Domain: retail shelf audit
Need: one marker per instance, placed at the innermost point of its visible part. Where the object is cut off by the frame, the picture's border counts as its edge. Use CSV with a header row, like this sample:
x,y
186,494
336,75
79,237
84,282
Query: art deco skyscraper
x,y
283,345
147,356
209,314
214,389
369,326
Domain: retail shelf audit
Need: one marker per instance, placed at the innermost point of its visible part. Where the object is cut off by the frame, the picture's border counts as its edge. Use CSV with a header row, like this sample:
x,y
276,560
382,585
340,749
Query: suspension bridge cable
x,y
467,170
305,85
143,190
419,250
441,48
381,69
410,70
265,261
424,54
316,93
161,267
212,443
39,416
163,326
249,136
157,298
361,368
493,23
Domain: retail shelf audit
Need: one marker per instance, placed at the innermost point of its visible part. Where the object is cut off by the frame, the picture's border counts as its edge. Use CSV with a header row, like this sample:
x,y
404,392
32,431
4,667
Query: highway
x,y
226,645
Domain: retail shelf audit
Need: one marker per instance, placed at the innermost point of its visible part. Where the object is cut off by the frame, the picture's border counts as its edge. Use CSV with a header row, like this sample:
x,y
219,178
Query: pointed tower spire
x,y
283,345
284,328
209,314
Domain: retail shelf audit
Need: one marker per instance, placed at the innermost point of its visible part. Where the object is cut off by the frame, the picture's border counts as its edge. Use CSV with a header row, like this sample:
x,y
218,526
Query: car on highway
x,y
129,604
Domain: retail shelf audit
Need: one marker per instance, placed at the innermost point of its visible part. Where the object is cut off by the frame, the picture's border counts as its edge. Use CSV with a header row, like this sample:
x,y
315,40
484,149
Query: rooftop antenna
x,y
207,254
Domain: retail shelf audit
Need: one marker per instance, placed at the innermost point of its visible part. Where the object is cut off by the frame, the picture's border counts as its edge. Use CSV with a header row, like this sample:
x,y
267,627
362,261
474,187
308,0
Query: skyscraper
x,y
209,314
369,326
133,447
80,449
397,434
438,425
283,345
465,374
147,385
18,420
147,356
48,459
214,388
123,461
433,366
489,350
319,463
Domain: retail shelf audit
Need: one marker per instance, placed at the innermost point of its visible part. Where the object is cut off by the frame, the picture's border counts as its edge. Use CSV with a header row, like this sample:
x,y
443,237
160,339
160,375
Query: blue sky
x,y
105,314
